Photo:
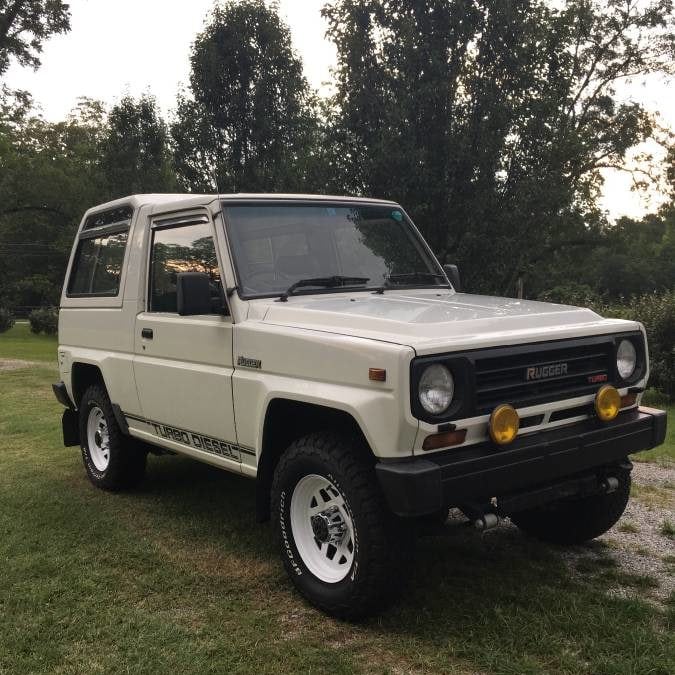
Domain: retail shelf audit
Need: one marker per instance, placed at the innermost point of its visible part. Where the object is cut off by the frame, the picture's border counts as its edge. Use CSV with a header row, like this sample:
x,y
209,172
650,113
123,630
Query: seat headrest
x,y
296,265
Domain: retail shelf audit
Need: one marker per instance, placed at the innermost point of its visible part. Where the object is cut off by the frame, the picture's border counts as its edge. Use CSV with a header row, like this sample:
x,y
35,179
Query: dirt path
x,y
17,364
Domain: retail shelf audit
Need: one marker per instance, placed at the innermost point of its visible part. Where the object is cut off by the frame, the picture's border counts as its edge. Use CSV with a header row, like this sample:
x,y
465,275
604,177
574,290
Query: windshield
x,y
368,247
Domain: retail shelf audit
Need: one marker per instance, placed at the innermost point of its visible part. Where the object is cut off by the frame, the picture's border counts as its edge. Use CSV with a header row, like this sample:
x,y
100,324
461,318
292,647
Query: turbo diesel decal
x,y
213,446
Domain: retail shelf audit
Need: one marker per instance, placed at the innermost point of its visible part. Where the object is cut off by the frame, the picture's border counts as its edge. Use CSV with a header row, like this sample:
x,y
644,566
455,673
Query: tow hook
x,y
481,516
609,484
486,522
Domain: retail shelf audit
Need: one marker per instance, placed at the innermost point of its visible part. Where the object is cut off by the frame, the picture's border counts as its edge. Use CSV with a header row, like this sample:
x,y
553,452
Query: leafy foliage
x,y
629,257
655,310
25,25
572,293
134,151
6,320
491,119
657,313
44,320
246,123
51,173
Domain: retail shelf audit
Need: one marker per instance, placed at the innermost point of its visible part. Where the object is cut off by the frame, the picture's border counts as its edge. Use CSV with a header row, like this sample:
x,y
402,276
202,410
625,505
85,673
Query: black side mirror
x,y
452,272
193,293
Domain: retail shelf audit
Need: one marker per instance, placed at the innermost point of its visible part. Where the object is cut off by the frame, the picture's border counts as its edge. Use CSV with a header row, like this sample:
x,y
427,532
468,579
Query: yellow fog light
x,y
607,403
504,424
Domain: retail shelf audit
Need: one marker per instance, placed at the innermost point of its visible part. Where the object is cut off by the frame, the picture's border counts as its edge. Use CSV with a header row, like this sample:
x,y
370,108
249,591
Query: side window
x,y
98,265
188,248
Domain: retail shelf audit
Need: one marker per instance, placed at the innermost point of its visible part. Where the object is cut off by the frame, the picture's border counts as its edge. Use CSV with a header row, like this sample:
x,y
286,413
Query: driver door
x,y
183,364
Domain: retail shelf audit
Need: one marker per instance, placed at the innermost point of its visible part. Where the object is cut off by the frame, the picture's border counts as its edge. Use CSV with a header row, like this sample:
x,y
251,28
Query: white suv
x,y
316,345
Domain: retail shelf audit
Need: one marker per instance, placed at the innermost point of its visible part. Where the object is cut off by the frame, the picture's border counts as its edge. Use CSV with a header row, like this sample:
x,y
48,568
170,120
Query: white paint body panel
x,y
313,348
325,369
437,321
184,371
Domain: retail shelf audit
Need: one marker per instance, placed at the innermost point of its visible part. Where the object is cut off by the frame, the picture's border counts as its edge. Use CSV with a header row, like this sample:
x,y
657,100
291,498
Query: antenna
x,y
214,174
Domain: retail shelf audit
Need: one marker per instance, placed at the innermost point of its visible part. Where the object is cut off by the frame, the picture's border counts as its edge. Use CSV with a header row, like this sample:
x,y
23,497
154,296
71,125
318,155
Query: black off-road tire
x,y
576,521
126,464
383,542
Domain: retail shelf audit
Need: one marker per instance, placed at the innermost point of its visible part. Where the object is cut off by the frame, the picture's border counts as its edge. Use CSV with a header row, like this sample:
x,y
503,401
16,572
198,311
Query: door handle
x,y
146,333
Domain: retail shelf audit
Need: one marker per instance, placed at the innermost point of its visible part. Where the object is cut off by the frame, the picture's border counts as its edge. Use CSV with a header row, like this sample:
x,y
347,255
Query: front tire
x,y
342,548
112,461
576,521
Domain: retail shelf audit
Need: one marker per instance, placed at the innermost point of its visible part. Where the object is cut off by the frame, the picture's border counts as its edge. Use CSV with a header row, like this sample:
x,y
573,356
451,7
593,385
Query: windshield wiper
x,y
418,276
326,282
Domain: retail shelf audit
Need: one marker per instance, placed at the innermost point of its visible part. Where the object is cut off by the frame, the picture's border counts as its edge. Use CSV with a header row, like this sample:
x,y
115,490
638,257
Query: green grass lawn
x,y
20,343
177,577
666,452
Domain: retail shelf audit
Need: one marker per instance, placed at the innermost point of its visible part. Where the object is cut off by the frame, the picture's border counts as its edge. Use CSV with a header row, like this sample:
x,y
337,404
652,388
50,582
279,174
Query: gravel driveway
x,y
639,543
636,556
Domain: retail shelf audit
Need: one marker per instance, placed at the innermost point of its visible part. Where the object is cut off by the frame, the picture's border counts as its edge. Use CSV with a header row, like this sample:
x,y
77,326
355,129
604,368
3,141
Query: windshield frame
x,y
328,203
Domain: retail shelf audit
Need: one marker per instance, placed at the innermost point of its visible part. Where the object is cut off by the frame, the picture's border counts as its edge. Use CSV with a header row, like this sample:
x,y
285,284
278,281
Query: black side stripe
x,y
191,438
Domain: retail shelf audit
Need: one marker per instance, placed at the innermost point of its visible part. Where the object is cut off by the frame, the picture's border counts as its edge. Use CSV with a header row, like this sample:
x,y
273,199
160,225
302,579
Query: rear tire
x,y
343,549
576,521
112,460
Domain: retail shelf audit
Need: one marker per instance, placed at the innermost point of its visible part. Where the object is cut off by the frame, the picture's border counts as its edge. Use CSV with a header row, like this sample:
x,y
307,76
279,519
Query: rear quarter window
x,y
97,267
99,257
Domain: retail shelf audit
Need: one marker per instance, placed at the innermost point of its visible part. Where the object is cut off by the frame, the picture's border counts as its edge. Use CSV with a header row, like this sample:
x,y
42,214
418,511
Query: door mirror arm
x,y
452,272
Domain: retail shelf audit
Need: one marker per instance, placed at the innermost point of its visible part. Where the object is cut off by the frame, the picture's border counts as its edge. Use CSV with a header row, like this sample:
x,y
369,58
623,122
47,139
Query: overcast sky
x,y
132,46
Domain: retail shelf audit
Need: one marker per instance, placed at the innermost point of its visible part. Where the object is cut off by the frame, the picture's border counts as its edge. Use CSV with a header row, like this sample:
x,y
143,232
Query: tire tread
x,y
127,464
576,521
384,568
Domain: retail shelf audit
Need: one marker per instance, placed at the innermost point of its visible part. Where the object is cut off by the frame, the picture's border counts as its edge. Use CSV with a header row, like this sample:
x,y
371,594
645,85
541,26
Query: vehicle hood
x,y
432,320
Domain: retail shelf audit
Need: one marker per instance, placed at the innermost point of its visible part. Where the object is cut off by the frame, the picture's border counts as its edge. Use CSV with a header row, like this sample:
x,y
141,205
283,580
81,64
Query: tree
x,y
492,118
246,123
135,156
25,25
49,175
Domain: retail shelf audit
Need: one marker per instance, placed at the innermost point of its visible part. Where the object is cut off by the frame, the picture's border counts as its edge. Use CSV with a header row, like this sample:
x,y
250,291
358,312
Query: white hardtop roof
x,y
161,202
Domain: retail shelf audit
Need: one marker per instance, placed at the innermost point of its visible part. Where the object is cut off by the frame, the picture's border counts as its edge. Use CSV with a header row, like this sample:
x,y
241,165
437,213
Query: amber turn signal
x,y
377,374
444,440
504,424
607,403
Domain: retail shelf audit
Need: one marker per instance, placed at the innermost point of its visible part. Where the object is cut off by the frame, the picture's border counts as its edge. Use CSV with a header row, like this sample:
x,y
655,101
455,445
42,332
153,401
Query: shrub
x,y
572,293
44,320
657,312
6,319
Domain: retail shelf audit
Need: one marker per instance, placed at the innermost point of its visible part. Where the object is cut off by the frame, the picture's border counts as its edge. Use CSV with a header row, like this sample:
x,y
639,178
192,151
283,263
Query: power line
x,y
26,243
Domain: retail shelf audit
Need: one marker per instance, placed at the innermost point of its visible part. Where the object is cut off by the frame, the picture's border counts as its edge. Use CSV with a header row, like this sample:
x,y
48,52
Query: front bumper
x,y
478,473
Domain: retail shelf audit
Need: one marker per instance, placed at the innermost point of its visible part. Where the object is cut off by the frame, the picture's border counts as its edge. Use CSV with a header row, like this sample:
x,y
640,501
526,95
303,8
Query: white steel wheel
x,y
322,528
98,439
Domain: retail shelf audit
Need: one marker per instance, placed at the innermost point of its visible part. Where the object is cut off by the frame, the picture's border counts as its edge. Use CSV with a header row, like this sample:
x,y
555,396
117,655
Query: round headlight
x,y
626,359
436,389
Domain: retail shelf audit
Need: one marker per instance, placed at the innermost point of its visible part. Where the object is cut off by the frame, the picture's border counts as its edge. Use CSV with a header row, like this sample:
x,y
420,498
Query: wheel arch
x,y
82,376
287,420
